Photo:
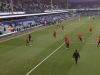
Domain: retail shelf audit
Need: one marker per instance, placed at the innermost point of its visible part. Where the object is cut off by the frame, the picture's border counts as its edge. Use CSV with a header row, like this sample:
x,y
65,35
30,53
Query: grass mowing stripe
x,y
45,59
84,42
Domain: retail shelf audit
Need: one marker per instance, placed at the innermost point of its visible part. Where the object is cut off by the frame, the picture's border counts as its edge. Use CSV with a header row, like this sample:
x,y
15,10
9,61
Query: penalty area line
x,y
44,59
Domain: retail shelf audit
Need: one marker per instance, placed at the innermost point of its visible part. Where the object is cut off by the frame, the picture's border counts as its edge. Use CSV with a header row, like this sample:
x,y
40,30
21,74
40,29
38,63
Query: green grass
x,y
16,59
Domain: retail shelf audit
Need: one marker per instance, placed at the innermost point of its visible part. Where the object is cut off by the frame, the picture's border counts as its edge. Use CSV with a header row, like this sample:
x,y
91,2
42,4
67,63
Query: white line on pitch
x,y
83,42
45,59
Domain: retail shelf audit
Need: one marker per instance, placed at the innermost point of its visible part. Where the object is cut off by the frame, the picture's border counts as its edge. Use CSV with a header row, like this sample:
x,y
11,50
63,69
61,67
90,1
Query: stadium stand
x,y
31,6
13,26
85,5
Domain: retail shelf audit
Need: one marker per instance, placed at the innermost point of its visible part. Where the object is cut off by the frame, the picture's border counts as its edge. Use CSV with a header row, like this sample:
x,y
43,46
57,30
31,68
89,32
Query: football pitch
x,y
48,55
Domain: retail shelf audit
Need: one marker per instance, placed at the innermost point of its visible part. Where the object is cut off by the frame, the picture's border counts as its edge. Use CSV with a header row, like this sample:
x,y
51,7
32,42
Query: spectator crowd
x,y
30,6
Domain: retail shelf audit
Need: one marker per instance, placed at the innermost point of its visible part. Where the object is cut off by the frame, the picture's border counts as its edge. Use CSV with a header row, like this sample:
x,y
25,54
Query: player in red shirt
x,y
98,41
62,27
67,43
80,37
90,29
65,37
54,33
27,41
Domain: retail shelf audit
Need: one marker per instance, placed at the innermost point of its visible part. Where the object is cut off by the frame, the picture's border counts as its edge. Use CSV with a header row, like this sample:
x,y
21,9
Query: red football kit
x,y
79,35
27,40
90,29
54,32
66,38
